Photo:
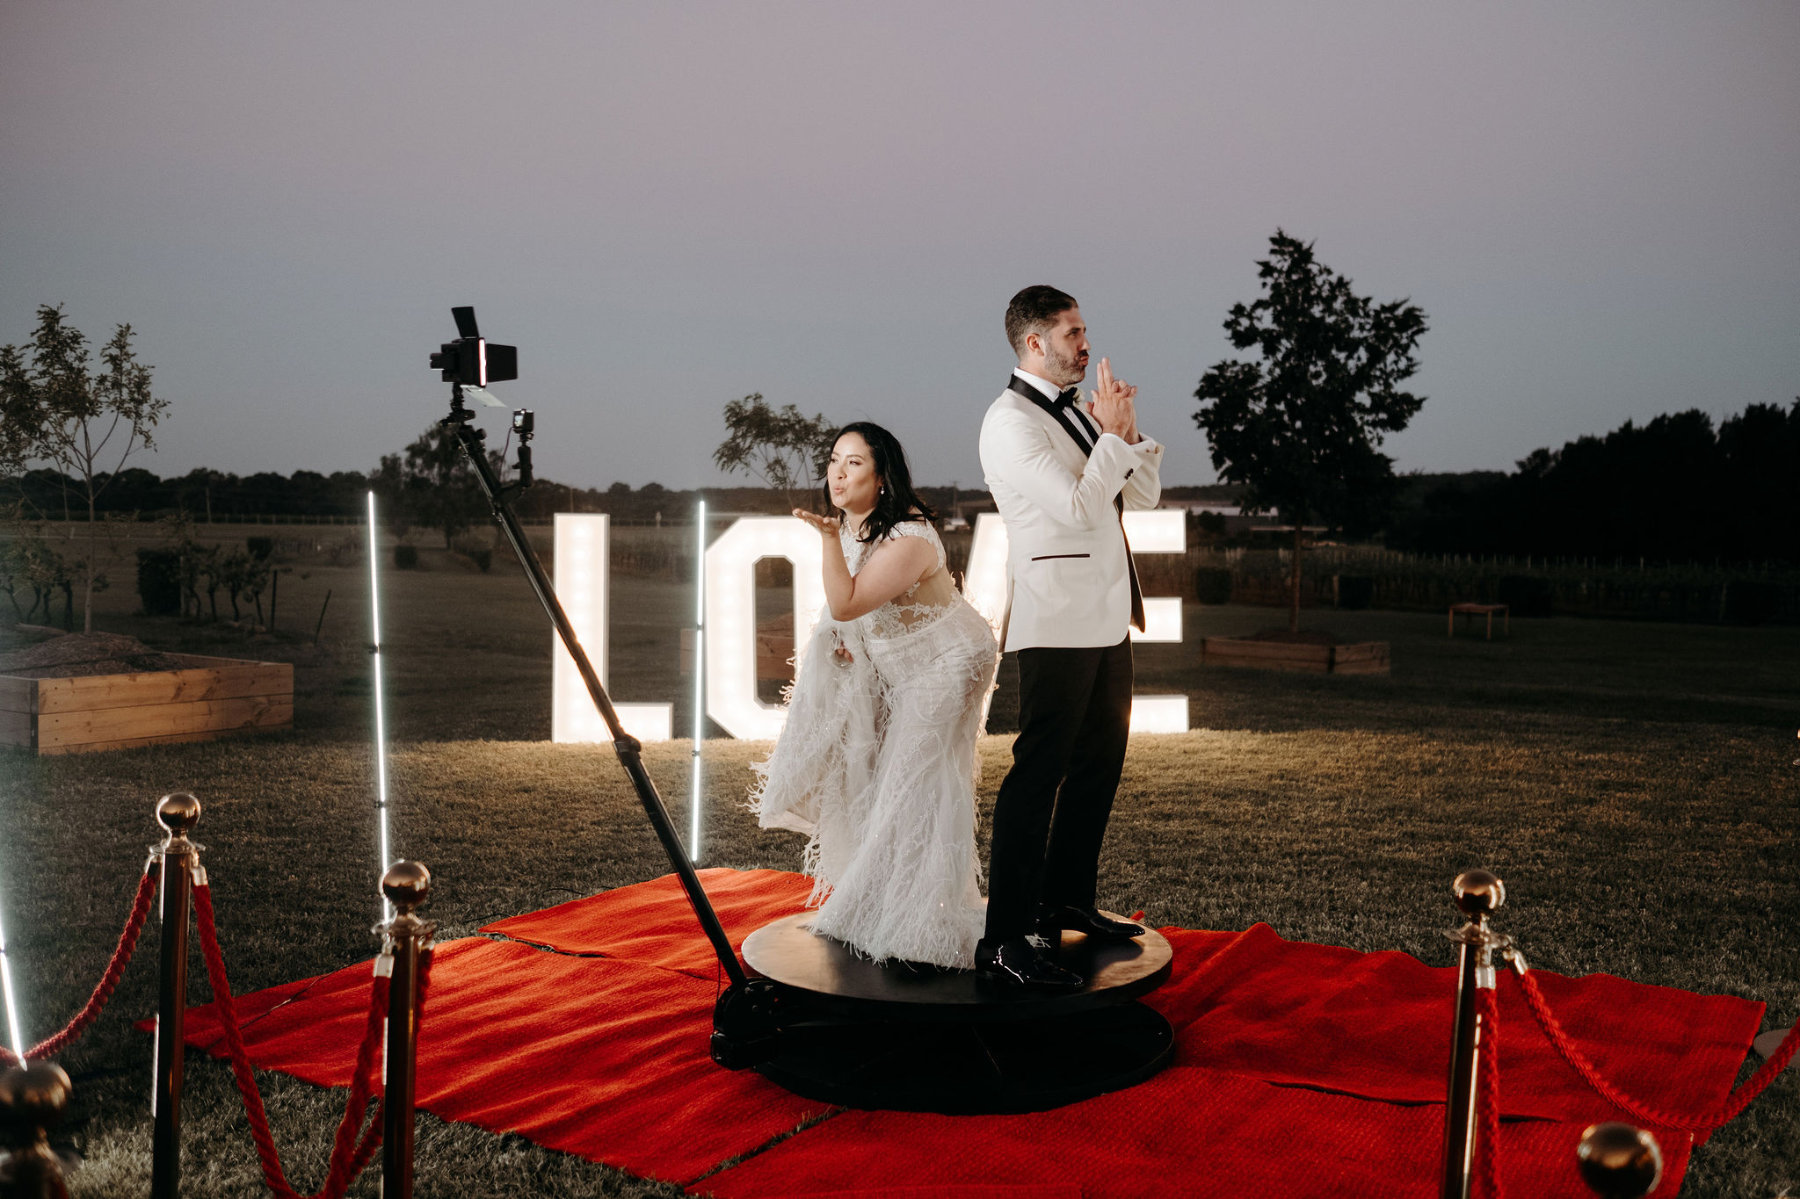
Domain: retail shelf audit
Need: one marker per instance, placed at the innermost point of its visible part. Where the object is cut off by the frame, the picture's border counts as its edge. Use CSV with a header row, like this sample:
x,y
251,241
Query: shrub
x,y
260,547
159,581
406,557
1212,585
476,549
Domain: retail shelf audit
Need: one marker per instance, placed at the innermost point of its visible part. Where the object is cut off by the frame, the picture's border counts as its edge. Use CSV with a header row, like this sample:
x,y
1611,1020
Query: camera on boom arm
x,y
471,359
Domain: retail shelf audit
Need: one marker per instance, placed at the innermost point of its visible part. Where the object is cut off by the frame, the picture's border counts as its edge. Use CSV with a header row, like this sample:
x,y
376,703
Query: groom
x,y
1062,473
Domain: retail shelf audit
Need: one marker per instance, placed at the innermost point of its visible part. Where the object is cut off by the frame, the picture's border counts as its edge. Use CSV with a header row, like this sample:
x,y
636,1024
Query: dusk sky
x,y
667,206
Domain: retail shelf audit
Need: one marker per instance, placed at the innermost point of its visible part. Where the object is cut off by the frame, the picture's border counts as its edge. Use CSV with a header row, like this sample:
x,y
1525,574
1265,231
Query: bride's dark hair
x,y
895,500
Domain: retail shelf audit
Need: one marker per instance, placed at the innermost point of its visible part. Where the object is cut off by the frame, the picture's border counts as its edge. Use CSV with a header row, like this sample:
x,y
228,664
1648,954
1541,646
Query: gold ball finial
x,y
1619,1161
178,813
1479,893
406,885
34,1095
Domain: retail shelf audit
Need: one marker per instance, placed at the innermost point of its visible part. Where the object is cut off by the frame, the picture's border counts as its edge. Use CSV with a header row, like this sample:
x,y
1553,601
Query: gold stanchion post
x,y
1619,1161
406,885
1479,894
178,814
32,1100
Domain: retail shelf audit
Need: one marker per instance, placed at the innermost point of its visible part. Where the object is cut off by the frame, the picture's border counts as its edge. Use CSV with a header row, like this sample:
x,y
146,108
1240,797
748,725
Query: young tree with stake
x,y
54,408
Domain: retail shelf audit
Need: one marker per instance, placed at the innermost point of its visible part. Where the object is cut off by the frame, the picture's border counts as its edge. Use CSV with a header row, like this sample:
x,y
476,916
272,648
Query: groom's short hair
x,y
1032,311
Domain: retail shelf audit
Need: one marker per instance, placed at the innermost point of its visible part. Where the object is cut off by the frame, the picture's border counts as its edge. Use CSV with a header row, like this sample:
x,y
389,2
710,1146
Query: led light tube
x,y
381,773
699,680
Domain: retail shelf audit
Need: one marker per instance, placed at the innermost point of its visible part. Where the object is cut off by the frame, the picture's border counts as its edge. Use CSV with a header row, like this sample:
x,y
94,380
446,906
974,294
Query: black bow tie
x,y
1068,396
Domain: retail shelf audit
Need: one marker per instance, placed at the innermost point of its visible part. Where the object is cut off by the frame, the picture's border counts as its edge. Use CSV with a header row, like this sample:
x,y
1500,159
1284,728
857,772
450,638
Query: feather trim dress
x,y
876,763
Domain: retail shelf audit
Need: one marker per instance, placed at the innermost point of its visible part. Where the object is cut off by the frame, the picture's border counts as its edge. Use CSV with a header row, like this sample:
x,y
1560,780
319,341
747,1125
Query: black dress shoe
x,y
1086,920
1016,962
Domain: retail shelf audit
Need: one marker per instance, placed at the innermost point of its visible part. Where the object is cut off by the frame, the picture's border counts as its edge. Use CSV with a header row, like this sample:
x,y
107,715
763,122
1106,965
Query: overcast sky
x,y
667,206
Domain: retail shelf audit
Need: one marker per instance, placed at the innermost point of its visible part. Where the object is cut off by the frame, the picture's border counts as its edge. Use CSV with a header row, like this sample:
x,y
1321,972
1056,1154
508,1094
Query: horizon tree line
x,y
1673,488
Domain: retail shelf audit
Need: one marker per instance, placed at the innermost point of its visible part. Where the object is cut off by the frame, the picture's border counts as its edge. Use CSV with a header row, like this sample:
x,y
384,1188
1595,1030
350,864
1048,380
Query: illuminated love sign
x,y
1161,531
582,545
583,554
731,616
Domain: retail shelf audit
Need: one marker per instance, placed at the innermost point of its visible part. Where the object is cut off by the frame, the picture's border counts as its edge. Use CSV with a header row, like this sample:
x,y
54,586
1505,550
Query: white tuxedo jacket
x,y
1068,580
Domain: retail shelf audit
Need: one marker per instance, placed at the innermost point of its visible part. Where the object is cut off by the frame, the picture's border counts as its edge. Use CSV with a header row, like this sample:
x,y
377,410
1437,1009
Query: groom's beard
x,y
1065,372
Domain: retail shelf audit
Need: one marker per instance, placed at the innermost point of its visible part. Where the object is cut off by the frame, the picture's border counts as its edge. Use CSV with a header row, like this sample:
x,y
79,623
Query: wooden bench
x,y
1487,610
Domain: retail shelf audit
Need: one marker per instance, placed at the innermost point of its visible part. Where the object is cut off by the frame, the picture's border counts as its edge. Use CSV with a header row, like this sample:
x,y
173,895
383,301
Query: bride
x,y
877,759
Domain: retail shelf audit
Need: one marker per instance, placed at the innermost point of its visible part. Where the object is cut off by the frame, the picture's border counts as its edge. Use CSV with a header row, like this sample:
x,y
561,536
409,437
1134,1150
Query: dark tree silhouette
x,y
432,484
1670,489
1299,427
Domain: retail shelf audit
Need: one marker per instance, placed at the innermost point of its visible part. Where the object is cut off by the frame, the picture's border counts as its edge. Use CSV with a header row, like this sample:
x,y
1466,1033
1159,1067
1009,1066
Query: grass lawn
x,y
1634,783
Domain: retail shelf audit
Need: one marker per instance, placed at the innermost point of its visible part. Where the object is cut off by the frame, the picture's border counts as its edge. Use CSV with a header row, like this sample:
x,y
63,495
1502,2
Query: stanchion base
x,y
962,1069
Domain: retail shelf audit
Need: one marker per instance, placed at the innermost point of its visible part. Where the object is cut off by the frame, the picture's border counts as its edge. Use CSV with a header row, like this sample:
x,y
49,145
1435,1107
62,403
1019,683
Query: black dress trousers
x,y
1050,816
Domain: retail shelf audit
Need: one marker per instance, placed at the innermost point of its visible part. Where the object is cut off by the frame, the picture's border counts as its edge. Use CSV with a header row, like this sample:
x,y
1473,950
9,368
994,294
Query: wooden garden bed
x,y
1363,657
200,699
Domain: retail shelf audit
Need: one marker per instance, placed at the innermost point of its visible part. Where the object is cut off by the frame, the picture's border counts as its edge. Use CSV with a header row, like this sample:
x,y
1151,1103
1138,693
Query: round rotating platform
x,y
862,1034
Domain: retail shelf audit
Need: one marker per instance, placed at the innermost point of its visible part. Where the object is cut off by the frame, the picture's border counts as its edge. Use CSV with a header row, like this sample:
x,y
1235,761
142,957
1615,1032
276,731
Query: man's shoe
x,y
1088,921
1015,962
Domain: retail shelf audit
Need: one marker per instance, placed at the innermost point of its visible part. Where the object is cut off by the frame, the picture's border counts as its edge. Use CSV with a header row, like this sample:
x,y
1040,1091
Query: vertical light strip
x,y
381,777
16,1034
699,679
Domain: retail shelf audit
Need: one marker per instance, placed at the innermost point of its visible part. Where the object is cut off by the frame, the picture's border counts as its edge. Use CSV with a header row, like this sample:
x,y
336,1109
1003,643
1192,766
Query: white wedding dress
x,y
877,764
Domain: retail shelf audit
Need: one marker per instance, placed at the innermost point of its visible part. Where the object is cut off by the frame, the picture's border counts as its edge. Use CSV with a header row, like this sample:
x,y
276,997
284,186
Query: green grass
x,y
1634,783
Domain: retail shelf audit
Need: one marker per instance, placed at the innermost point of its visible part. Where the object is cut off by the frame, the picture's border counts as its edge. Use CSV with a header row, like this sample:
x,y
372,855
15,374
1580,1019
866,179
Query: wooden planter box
x,y
205,698
1364,657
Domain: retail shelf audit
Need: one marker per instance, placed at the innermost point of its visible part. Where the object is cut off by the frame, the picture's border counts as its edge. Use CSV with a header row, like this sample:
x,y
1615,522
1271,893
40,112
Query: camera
x,y
471,359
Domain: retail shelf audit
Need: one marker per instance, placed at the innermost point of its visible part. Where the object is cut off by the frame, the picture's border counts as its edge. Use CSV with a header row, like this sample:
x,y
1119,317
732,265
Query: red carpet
x,y
1378,1025
1188,1131
651,923
603,1058
1303,1068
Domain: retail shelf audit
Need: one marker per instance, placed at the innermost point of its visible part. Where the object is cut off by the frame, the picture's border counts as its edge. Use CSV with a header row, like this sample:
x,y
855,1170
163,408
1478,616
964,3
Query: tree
x,y
785,450
432,484
58,410
1669,489
1299,427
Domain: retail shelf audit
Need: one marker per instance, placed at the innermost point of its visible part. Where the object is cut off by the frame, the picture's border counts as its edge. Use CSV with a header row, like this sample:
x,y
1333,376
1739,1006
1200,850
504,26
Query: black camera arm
x,y
628,748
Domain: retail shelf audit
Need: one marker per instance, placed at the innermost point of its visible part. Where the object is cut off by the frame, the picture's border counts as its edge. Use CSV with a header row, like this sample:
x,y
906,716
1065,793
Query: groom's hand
x,y
1112,405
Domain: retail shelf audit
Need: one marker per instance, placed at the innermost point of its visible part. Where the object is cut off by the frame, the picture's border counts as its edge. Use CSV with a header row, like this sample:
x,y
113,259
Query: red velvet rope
x,y
348,1155
344,1146
371,1138
1487,1099
1735,1103
115,969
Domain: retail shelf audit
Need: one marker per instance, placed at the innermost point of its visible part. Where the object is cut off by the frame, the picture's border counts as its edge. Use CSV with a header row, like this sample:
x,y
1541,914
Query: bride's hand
x,y
826,525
